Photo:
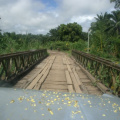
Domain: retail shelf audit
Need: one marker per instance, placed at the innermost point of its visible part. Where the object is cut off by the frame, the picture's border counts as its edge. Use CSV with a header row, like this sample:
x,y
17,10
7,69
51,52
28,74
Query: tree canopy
x,y
105,34
117,3
71,32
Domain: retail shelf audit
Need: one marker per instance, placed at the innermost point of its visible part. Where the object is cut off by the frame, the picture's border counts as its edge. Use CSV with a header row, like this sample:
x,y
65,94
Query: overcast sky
x,y
39,16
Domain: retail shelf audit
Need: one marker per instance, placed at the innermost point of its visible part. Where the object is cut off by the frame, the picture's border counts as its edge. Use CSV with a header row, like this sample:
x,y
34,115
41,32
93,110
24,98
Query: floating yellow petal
x,y
20,98
81,116
115,111
103,115
50,111
35,111
28,99
64,95
12,101
34,105
26,108
59,108
69,102
48,104
32,100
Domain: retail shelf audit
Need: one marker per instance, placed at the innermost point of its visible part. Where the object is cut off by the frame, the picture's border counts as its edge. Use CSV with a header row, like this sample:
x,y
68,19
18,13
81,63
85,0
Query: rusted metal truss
x,y
15,64
103,70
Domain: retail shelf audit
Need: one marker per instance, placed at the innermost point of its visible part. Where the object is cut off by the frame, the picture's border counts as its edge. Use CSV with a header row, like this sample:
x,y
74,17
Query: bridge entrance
x,y
58,72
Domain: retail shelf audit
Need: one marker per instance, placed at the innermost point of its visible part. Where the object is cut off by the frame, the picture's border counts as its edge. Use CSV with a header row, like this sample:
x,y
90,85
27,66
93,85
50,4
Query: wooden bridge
x,y
60,72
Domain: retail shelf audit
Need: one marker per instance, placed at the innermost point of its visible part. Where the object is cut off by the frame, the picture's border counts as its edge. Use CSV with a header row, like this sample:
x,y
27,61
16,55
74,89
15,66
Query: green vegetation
x,y
64,37
11,42
117,3
105,35
104,38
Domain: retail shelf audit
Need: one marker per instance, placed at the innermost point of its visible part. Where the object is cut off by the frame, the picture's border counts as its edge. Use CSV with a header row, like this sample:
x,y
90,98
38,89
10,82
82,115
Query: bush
x,y
59,45
80,45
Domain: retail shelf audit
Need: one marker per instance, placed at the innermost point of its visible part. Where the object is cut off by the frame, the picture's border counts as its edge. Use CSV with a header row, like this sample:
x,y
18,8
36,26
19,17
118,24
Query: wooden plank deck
x,y
58,72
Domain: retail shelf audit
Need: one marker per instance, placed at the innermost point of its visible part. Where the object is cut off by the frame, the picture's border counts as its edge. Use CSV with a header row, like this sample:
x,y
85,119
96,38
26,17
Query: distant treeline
x,y
104,37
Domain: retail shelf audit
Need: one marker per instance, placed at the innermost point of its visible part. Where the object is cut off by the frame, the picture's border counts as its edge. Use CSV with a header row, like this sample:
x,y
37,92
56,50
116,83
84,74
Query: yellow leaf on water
x,y
81,116
103,115
26,108
35,110
42,114
32,100
48,104
34,105
59,108
69,102
115,111
28,99
50,111
12,101
20,98
67,98
64,95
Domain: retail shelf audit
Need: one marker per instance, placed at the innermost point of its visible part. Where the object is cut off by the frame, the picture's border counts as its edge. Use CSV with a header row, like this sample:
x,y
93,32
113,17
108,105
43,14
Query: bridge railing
x,y
103,70
15,64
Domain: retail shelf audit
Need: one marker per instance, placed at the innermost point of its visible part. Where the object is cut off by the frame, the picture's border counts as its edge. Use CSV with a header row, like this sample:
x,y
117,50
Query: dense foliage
x,y
12,42
61,38
71,32
105,35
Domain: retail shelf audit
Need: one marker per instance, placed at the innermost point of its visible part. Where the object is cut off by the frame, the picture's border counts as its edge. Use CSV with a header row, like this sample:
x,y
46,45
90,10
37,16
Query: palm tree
x,y
98,28
117,3
114,23
114,30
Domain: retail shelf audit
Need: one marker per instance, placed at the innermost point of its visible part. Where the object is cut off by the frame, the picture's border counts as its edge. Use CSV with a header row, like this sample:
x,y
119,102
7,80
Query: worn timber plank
x,y
70,89
68,78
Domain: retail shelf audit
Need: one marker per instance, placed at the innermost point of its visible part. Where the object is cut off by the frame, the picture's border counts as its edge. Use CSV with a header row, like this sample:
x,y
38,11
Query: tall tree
x,y
98,29
114,31
71,32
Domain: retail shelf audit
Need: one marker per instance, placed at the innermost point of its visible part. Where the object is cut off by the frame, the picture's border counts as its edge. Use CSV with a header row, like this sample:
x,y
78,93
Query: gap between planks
x,y
71,77
40,82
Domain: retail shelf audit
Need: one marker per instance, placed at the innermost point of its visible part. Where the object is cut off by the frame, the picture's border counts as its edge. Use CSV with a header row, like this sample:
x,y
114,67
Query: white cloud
x,y
37,17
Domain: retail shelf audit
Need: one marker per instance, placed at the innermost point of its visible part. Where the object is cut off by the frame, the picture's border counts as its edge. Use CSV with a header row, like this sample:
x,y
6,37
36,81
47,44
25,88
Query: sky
x,y
39,16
